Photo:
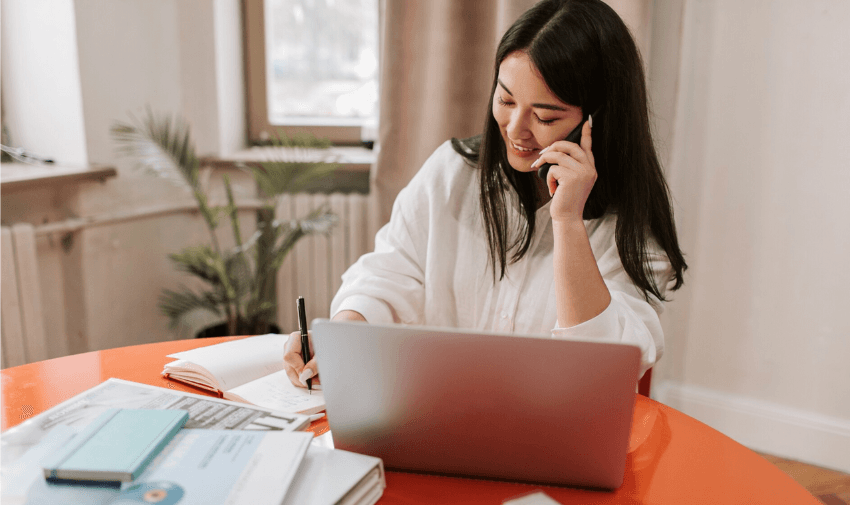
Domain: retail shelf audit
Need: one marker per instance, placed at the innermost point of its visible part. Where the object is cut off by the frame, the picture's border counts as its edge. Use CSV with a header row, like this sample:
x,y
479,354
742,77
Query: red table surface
x,y
672,458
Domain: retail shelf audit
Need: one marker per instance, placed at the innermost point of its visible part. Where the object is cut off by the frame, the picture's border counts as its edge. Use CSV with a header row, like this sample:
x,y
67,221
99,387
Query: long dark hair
x,y
588,58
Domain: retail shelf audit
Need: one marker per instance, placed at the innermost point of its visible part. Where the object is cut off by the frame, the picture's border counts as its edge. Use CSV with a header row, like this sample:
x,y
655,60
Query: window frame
x,y
260,129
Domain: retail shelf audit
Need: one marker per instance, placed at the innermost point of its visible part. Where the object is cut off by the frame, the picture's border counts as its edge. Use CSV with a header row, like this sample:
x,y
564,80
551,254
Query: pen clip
x,y
302,315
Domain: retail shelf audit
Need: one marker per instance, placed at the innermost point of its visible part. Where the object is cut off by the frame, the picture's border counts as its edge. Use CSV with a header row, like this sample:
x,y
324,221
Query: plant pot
x,y
220,330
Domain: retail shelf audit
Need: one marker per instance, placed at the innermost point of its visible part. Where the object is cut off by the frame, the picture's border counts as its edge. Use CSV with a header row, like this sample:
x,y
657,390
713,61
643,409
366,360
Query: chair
x,y
644,383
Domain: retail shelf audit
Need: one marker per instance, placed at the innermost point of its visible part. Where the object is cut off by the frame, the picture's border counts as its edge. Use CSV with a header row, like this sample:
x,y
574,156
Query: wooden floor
x,y
829,486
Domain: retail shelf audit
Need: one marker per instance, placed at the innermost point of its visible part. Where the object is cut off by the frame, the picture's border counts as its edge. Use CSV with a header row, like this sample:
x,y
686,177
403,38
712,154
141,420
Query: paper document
x,y
198,467
204,413
275,391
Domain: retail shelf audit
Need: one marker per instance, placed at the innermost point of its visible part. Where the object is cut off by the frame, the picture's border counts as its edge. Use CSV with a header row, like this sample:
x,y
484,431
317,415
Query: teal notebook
x,y
117,446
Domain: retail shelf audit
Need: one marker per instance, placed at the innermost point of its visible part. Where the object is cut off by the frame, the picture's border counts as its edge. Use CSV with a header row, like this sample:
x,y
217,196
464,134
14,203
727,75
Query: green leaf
x,y
200,261
321,220
238,270
160,145
278,177
303,140
186,308
232,211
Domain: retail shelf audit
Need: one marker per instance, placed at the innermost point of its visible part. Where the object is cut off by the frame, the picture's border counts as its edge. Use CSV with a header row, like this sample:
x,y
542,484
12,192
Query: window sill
x,y
15,176
352,175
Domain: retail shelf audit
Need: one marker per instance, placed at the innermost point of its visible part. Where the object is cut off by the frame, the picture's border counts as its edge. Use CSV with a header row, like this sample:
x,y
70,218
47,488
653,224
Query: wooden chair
x,y
23,337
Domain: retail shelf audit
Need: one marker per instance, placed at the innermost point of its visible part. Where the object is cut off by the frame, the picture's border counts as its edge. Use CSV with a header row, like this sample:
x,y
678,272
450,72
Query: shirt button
x,y
504,315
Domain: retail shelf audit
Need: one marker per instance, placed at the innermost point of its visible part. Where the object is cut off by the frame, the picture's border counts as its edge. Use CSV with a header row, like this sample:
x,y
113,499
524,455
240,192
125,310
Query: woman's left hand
x,y
571,176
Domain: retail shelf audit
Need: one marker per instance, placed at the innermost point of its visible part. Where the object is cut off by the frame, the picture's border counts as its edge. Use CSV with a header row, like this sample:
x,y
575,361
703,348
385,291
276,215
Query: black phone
x,y
574,137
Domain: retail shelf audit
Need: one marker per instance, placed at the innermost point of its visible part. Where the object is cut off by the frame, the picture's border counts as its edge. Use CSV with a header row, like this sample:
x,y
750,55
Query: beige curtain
x,y
436,67
437,61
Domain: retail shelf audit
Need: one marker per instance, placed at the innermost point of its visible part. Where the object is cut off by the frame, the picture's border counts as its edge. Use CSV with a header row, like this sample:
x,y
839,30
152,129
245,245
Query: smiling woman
x,y
587,253
530,117
577,56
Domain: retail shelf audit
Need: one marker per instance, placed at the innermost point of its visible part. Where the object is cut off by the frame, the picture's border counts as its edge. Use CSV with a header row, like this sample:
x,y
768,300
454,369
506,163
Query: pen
x,y
305,339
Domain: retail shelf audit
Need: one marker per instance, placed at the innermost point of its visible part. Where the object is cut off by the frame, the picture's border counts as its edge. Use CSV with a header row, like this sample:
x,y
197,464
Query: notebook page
x,y
275,391
240,361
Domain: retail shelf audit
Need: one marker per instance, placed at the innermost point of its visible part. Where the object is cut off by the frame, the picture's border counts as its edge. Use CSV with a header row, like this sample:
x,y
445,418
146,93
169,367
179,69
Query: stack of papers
x,y
241,460
196,467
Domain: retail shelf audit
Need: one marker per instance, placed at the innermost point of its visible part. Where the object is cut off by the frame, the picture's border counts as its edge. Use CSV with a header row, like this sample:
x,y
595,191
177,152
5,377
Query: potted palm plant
x,y
239,281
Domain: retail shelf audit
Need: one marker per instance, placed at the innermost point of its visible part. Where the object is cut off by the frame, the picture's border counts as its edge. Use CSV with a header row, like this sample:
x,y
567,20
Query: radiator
x,y
23,337
313,269
315,266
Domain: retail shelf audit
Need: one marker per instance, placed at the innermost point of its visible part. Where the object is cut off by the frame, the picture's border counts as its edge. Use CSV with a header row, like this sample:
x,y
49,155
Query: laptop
x,y
496,406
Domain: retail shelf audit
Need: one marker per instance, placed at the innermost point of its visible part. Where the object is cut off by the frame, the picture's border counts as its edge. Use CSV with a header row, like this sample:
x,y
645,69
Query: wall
x,y
41,80
99,62
758,338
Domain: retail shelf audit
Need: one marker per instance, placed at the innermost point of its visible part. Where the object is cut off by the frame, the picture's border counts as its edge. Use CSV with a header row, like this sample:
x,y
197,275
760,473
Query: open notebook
x,y
249,370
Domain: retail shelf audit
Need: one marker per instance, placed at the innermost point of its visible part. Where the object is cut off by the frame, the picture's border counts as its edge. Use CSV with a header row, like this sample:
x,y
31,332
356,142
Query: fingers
x,y
582,152
293,361
559,160
587,140
309,371
566,169
571,149
569,155
566,160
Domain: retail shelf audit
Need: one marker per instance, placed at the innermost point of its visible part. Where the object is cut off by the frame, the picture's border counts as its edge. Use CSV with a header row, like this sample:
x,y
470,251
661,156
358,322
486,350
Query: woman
x,y
478,240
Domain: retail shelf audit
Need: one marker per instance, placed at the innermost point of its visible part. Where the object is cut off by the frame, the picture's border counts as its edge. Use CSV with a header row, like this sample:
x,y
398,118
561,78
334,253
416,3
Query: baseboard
x,y
762,426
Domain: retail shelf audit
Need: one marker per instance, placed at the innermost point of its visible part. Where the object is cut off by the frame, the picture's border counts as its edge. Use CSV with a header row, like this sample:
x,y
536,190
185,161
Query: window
x,y
312,66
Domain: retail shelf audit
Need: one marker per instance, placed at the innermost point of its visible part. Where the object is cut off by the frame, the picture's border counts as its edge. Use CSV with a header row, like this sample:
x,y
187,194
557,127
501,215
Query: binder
x,y
336,477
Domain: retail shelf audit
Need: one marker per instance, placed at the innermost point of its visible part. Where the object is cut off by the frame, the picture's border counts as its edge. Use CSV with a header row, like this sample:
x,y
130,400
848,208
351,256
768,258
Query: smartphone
x,y
574,137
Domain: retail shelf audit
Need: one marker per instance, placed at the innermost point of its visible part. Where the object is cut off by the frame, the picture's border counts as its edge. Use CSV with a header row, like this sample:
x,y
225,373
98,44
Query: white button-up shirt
x,y
431,267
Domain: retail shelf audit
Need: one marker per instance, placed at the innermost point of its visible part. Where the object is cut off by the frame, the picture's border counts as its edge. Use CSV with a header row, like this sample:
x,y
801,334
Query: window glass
x,y
322,62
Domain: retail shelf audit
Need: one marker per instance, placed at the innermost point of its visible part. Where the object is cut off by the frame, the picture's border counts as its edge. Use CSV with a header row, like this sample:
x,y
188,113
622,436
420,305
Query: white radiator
x,y
315,266
23,338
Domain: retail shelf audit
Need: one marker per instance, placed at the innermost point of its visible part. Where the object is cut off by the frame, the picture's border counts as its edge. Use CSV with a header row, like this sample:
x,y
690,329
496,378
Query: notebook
x,y
496,406
248,370
115,447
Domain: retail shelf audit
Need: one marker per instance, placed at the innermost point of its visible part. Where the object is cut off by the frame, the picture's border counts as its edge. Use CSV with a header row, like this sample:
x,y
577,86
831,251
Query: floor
x,y
829,486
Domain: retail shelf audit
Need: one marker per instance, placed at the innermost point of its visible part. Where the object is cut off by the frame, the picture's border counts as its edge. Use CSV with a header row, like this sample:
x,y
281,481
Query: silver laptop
x,y
496,406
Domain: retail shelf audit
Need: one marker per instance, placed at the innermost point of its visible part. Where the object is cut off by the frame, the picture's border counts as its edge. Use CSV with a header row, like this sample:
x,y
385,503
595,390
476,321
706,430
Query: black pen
x,y
305,338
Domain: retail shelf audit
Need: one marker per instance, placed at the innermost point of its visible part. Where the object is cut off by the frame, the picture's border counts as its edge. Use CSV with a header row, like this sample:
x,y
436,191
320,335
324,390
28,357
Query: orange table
x,y
673,458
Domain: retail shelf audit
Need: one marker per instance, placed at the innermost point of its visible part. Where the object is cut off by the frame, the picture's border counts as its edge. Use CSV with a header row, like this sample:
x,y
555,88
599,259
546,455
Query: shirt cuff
x,y
605,326
616,325
375,311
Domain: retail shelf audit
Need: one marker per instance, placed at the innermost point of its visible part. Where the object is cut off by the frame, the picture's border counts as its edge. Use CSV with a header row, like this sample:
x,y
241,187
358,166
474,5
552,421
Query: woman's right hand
x,y
293,362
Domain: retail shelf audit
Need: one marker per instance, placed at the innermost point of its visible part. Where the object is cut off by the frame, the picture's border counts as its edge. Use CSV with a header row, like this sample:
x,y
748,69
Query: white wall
x,y
41,79
71,68
759,157
136,54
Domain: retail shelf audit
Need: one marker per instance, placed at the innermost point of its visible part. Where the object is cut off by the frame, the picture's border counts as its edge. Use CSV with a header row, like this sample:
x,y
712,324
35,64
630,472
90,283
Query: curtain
x,y
437,60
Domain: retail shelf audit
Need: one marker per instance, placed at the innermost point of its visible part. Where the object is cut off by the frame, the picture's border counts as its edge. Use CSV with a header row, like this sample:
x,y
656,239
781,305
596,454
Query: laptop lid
x,y
496,406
